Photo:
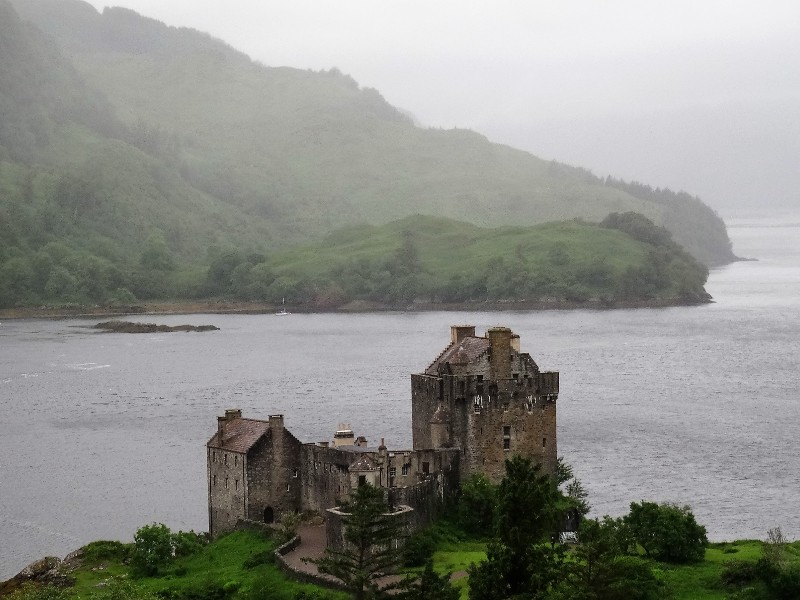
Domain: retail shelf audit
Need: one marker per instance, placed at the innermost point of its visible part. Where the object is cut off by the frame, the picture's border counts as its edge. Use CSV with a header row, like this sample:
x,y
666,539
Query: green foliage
x,y
370,536
121,589
152,550
234,154
31,591
667,532
288,522
429,586
186,543
517,561
476,505
601,571
106,550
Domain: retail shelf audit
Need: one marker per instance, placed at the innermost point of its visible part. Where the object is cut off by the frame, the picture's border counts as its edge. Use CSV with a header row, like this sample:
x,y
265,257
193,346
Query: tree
x,y
152,549
429,586
476,505
370,551
520,560
601,571
667,532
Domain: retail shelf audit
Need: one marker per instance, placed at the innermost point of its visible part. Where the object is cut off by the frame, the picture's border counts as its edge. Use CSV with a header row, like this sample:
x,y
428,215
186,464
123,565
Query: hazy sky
x,y
696,95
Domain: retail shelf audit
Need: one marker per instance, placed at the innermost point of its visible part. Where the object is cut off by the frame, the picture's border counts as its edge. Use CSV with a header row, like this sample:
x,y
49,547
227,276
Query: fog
x,y
702,97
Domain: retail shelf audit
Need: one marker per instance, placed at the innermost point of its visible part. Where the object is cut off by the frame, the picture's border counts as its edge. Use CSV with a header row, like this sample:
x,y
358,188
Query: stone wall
x,y
324,477
226,489
273,474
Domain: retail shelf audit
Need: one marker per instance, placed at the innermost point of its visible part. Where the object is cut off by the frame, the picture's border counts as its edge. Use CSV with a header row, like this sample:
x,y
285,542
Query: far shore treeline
x,y
140,162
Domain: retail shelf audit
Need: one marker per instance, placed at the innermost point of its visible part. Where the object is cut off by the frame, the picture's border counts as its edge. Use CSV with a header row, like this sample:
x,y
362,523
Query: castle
x,y
479,402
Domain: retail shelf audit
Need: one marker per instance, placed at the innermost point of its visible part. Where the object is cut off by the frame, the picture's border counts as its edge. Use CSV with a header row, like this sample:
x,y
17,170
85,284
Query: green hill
x,y
119,134
433,261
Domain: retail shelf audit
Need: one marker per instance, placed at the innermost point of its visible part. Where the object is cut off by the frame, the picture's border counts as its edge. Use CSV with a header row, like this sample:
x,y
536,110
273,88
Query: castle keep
x,y
479,402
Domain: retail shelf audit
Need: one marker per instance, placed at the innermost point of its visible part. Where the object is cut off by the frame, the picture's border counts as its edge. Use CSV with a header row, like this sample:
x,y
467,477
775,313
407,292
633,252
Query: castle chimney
x,y
501,349
221,429
230,415
276,421
459,332
515,342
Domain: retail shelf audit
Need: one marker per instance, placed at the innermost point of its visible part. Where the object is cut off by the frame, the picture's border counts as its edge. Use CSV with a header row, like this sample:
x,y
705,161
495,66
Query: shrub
x,y
186,543
152,550
739,573
106,550
419,548
667,532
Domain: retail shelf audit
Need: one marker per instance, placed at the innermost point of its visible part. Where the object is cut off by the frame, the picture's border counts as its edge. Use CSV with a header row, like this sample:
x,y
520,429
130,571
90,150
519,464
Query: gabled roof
x,y
240,435
363,463
461,353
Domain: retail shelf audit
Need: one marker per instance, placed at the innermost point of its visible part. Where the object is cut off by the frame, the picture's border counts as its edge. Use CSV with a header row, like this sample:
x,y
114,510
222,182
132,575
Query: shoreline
x,y
357,306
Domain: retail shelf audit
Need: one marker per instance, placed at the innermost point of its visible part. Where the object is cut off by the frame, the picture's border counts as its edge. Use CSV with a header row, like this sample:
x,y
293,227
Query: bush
x,y
106,550
785,583
739,573
419,548
186,543
152,550
667,532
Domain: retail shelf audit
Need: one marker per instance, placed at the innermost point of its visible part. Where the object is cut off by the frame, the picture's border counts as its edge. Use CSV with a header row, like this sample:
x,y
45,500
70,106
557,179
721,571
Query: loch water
x,y
101,433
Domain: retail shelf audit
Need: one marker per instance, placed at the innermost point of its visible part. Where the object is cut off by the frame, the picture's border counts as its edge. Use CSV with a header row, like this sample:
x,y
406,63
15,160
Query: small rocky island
x,y
130,327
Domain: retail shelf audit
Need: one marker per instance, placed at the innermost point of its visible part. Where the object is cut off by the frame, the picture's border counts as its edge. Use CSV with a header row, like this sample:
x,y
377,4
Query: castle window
x,y
515,376
226,483
544,442
215,481
362,480
294,473
287,487
404,470
225,458
506,437
213,457
426,468
235,460
236,484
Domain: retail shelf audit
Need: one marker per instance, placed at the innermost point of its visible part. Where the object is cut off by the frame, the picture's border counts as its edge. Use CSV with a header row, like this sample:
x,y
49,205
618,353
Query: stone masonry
x,y
481,401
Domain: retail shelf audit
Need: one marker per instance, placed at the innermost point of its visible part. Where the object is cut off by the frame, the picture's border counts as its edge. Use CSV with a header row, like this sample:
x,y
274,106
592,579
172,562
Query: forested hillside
x,y
133,155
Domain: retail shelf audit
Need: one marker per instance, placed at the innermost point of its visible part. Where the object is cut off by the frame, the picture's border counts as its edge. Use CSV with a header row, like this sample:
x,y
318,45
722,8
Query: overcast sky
x,y
697,95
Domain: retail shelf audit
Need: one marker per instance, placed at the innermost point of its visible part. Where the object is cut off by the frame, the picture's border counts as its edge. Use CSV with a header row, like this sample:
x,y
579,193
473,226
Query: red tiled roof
x,y
464,352
240,435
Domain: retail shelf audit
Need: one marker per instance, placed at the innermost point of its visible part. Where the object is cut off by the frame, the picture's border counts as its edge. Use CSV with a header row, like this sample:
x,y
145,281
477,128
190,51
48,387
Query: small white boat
x,y
282,312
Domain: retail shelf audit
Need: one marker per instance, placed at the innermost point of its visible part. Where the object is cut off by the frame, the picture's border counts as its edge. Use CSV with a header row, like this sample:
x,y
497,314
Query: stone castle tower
x,y
487,398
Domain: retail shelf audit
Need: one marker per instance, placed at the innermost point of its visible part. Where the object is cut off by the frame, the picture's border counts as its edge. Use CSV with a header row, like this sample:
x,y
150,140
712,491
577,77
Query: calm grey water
x,y
102,433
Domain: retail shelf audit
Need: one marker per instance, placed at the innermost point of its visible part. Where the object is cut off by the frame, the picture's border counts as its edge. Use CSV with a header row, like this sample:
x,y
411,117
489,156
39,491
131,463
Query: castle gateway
x,y
479,402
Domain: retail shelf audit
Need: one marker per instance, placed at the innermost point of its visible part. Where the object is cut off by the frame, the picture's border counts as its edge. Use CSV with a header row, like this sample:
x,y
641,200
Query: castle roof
x,y
363,463
239,435
463,352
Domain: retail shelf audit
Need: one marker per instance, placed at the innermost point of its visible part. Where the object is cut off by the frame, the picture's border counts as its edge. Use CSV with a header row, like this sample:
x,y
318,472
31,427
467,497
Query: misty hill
x,y
312,151
134,155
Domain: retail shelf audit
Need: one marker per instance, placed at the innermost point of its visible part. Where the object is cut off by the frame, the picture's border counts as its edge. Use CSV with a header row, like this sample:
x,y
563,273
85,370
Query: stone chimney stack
x,y
230,415
500,345
276,421
459,332
515,342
